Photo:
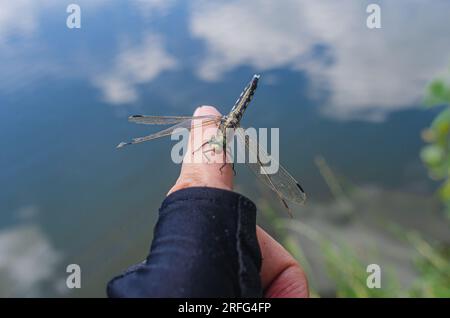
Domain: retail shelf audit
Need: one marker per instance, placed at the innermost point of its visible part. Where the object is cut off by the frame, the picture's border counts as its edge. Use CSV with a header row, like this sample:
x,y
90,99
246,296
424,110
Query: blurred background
x,y
349,102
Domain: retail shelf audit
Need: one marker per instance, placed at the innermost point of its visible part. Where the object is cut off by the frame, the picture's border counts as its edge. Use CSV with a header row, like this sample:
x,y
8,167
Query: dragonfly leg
x,y
203,144
229,152
223,166
224,153
206,156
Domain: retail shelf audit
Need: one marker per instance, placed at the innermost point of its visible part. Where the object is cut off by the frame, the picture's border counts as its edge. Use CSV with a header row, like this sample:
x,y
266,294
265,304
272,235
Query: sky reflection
x,y
334,87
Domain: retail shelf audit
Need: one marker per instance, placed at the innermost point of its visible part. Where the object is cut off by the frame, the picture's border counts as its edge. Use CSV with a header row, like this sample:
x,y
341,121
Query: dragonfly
x,y
282,183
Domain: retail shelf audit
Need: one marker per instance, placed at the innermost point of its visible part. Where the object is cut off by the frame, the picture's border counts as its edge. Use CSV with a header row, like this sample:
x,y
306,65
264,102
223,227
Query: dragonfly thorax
x,y
231,121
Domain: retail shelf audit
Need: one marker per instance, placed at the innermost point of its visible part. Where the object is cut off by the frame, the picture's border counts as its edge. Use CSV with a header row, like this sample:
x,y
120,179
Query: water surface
x,y
334,88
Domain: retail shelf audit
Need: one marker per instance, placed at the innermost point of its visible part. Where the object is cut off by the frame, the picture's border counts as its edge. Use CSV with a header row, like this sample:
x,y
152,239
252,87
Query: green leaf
x,y
441,124
432,155
438,93
444,192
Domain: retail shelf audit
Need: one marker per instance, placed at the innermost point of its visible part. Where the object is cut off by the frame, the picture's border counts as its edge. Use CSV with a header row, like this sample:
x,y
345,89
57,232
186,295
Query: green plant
x,y
436,154
345,267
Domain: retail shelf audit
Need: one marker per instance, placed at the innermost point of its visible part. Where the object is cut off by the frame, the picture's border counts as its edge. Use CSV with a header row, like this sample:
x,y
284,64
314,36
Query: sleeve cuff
x,y
204,245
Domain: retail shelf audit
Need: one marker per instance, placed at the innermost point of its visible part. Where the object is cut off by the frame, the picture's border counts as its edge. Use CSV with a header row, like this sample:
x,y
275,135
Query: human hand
x,y
281,275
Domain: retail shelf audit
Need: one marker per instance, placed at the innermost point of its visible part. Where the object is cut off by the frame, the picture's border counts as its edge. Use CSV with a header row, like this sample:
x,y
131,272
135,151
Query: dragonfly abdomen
x,y
243,101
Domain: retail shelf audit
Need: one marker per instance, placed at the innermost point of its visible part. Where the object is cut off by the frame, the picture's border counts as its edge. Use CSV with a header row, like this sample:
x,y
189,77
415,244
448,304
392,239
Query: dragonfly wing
x,y
284,185
163,120
187,124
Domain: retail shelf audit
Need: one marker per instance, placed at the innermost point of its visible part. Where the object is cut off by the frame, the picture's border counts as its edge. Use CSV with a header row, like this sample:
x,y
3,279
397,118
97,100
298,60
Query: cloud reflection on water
x,y
367,73
373,72
134,65
28,260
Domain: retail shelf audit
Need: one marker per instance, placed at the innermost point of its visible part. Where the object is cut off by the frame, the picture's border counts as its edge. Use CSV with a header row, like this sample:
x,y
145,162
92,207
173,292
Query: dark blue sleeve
x,y
204,245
